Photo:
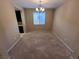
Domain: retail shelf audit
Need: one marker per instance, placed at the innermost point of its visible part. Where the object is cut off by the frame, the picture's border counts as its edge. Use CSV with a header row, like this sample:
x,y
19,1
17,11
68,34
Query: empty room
x,y
39,29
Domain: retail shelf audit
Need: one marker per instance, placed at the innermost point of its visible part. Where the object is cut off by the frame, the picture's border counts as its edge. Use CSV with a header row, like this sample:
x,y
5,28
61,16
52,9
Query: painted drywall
x,y
49,19
29,19
3,43
9,22
66,24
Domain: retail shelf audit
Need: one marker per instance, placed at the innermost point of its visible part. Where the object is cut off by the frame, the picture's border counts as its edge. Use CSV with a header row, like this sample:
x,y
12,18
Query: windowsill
x,y
39,24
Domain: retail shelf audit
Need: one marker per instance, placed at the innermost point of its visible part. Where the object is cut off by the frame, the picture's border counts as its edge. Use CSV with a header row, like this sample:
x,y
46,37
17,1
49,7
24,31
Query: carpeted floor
x,y
39,45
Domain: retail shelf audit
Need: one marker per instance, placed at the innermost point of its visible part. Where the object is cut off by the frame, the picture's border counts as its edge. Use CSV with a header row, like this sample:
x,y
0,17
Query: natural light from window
x,y
39,18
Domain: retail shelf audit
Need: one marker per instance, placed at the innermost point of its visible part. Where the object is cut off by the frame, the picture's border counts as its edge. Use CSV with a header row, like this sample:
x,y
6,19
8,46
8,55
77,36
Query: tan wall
x,y
49,19
29,19
3,43
66,24
8,20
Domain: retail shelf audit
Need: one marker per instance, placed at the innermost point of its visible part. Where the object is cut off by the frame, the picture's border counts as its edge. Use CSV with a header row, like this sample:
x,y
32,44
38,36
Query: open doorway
x,y
19,21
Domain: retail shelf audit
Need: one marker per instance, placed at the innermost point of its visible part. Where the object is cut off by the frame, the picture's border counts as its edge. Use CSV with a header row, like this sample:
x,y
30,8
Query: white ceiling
x,y
35,3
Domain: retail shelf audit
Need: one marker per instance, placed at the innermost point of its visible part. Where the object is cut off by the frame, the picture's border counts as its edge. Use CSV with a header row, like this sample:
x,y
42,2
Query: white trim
x,y
18,39
71,57
14,44
9,57
64,42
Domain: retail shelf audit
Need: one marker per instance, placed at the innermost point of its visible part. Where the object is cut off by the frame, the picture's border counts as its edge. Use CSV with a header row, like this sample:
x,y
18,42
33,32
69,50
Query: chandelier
x,y
40,8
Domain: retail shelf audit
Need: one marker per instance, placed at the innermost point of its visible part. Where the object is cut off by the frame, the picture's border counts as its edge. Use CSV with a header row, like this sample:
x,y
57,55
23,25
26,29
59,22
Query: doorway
x,y
19,21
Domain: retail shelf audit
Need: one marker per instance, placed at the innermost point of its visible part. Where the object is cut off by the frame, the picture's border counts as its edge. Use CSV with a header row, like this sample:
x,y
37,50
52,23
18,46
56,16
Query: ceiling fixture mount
x,y
40,8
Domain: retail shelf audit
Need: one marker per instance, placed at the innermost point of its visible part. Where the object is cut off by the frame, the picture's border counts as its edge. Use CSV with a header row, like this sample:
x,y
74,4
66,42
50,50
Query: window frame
x,y
39,19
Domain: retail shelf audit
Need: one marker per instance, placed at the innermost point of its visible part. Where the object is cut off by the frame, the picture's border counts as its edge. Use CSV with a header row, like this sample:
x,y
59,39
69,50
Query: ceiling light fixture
x,y
40,9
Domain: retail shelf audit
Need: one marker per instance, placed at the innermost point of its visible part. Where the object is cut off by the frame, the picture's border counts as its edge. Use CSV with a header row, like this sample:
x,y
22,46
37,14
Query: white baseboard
x,y
17,40
9,57
13,45
66,45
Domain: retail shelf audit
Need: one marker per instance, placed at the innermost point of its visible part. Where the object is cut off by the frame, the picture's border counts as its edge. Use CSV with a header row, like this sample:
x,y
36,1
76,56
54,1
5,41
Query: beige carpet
x,y
39,45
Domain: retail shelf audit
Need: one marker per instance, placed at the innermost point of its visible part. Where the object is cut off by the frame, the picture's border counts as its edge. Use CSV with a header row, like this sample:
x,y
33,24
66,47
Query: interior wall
x,y
3,43
49,19
66,24
29,19
9,22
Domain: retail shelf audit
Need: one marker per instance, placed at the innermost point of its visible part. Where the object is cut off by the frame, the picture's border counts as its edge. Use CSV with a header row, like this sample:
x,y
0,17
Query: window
x,y
39,18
